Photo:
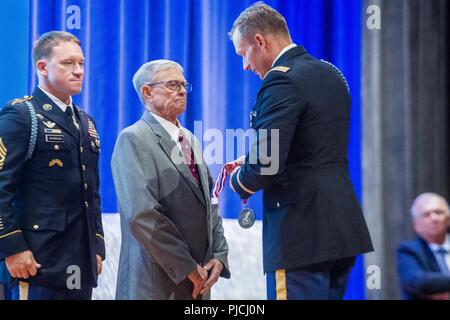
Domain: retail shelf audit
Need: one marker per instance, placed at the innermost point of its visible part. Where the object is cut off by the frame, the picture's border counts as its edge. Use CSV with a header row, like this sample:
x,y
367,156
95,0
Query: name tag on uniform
x,y
54,138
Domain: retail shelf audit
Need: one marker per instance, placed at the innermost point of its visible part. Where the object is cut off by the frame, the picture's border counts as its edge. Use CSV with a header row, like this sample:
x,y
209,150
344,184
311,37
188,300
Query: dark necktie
x,y
188,155
441,254
71,118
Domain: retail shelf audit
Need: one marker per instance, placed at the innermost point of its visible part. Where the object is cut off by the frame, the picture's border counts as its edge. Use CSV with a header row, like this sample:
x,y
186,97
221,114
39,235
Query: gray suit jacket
x,y
168,222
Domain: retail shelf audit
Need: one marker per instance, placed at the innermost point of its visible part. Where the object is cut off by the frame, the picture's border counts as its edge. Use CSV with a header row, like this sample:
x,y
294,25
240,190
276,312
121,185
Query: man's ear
x,y
260,41
41,67
146,92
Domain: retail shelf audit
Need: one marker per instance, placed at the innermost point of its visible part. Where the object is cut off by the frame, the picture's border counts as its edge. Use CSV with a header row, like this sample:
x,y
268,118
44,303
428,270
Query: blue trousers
x,y
24,291
5,293
320,281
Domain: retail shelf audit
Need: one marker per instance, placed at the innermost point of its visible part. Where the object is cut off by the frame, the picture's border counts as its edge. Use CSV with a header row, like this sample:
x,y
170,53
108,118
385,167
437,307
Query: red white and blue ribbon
x,y
226,170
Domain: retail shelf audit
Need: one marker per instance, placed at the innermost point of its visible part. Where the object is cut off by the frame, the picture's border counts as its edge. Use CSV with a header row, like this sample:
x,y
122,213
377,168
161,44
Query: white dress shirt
x,y
288,47
62,105
446,245
172,129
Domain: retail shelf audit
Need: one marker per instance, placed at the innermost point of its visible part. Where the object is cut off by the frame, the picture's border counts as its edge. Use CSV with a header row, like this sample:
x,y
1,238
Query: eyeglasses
x,y
174,85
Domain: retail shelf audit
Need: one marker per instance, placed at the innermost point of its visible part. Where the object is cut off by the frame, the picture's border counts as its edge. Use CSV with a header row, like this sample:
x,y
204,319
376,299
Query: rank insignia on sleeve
x,y
57,162
3,152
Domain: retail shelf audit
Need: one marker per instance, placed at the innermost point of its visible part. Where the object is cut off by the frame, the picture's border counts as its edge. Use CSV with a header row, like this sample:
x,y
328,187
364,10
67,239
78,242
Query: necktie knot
x,y
442,251
69,111
71,119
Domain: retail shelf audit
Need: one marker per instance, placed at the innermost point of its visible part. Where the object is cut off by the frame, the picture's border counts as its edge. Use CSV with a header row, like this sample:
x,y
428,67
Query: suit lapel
x,y
203,173
54,113
174,154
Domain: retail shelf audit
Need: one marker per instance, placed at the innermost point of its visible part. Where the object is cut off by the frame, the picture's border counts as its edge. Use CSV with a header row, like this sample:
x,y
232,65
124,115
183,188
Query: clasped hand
x,y
201,280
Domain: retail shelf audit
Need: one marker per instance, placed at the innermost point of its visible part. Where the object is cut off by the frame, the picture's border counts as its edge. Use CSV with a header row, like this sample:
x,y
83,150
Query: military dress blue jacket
x,y
50,203
300,161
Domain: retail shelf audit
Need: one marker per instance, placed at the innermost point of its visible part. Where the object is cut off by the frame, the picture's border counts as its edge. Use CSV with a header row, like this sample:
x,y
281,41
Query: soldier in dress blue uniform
x,y
313,226
51,236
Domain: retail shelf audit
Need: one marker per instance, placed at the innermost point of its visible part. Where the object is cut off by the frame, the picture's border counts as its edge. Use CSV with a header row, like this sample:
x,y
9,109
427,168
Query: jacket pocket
x,y
43,218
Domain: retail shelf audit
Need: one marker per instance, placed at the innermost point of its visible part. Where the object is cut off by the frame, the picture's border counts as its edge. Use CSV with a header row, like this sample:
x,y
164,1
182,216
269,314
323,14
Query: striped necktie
x,y
441,255
188,155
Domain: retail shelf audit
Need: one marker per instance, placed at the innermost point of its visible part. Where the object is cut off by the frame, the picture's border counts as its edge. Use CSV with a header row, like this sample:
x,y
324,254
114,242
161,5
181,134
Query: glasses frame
x,y
187,85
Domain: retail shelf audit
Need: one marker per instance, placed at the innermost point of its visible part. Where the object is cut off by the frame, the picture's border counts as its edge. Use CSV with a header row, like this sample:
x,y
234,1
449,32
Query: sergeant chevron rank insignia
x,y
3,152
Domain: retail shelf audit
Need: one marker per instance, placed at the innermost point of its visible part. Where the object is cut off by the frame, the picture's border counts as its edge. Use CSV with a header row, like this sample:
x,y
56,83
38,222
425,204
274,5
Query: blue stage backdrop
x,y
120,35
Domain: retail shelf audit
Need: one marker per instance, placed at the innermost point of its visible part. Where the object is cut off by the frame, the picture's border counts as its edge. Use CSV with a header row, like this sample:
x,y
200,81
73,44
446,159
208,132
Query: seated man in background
x,y
423,264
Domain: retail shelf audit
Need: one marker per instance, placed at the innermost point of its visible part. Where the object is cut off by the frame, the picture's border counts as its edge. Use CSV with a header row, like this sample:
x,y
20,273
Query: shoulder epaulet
x,y
80,110
279,68
19,100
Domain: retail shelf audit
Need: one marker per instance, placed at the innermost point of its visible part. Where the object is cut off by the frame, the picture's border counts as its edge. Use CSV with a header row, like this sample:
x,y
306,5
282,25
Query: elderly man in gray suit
x,y
173,246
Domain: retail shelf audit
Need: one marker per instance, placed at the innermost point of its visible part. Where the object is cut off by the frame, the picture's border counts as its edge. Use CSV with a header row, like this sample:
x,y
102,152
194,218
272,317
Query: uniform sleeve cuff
x,y
12,243
100,241
239,186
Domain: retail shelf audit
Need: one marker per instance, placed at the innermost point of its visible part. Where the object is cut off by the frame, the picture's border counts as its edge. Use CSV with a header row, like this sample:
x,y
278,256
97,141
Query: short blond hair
x,y
260,18
43,47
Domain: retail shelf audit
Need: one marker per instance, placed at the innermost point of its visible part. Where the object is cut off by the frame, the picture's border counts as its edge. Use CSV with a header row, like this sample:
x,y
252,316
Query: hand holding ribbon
x,y
246,216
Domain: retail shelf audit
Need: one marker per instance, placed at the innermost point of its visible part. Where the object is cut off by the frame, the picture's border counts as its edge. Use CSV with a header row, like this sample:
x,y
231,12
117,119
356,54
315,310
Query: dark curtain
x,y
405,121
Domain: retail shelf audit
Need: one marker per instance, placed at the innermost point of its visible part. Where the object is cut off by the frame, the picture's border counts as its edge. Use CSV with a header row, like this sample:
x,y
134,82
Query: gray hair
x,y
260,18
42,47
424,197
148,71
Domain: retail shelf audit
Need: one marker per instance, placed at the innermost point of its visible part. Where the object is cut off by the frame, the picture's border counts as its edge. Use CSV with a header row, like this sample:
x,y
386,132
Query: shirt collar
x,y
172,129
57,101
446,245
288,47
